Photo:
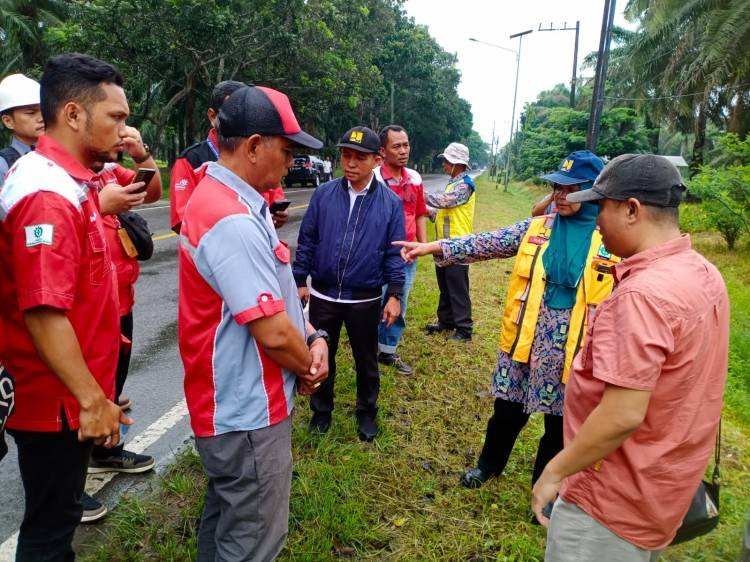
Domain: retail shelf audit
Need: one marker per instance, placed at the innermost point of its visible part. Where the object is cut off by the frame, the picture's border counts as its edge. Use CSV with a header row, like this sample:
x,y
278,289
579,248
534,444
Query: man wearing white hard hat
x,y
455,217
20,113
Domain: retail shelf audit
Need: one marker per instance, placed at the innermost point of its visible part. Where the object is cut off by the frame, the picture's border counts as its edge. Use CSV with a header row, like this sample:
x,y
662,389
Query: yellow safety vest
x,y
455,221
526,291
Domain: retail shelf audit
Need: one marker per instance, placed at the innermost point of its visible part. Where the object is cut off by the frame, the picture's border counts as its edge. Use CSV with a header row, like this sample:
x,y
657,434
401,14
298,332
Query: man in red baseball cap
x,y
243,338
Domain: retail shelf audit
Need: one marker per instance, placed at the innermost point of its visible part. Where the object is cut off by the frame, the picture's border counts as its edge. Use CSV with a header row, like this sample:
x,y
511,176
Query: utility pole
x,y
602,59
573,79
513,114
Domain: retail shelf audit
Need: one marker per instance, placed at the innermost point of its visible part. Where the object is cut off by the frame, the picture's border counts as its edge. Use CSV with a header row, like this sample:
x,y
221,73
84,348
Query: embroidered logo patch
x,y
566,165
356,136
39,234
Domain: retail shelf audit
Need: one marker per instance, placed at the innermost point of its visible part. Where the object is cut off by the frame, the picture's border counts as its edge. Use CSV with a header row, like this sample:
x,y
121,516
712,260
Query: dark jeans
x,y
53,472
454,308
123,366
502,431
361,321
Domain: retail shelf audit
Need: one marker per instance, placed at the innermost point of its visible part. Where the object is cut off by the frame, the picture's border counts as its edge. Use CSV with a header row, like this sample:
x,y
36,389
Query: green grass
x,y
398,498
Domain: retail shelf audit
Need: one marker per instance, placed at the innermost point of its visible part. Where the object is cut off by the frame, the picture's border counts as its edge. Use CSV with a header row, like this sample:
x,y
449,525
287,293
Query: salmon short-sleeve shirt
x,y
664,329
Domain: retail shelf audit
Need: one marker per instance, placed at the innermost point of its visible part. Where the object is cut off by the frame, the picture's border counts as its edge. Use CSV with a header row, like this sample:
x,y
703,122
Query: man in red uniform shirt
x,y
407,184
58,305
190,167
118,194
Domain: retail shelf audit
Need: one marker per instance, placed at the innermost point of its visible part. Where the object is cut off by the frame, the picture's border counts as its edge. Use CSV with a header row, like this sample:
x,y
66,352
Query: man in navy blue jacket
x,y
344,245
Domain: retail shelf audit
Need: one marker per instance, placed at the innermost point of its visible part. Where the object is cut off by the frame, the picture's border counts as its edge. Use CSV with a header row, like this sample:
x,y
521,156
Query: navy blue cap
x,y
581,166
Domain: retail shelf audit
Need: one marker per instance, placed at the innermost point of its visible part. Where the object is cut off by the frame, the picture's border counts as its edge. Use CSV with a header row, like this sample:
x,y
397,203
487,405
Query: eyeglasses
x,y
566,189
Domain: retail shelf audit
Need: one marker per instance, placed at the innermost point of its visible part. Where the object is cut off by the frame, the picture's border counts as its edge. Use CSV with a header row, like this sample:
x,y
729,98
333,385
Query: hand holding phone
x,y
145,175
279,205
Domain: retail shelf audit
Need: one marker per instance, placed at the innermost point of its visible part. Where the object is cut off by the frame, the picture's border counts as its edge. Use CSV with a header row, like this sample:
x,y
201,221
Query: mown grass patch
x,y
398,498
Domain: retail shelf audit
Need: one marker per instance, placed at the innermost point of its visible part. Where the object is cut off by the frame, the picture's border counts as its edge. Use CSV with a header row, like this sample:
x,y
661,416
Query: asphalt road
x,y
155,380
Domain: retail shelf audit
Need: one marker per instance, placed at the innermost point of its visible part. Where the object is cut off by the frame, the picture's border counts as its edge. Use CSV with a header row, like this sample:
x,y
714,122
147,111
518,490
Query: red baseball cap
x,y
263,111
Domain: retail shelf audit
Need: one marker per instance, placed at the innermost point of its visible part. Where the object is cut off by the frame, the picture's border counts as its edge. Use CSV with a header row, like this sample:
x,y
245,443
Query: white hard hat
x,y
18,90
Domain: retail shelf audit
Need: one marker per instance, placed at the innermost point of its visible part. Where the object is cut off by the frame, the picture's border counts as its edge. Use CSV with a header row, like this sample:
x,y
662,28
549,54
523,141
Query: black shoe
x,y
461,335
367,429
474,478
93,510
126,461
391,359
435,328
320,422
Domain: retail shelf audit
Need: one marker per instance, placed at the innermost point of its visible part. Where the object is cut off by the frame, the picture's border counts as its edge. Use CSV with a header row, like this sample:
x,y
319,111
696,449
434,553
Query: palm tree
x,y
22,24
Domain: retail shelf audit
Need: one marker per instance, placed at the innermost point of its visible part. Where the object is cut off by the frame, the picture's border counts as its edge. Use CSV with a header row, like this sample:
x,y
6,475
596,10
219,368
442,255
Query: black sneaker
x,y
474,478
93,510
320,422
393,360
367,429
435,328
126,461
461,335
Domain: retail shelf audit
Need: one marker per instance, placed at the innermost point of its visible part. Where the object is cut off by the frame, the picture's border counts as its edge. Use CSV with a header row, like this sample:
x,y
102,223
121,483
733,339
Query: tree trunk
x,y
653,132
700,137
736,113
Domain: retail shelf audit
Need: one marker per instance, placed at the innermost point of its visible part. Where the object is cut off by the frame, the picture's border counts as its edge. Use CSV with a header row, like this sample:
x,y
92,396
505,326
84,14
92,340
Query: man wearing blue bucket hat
x,y
561,273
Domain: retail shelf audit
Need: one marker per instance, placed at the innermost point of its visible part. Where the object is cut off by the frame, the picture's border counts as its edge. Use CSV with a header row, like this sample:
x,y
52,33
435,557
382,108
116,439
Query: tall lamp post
x,y
515,95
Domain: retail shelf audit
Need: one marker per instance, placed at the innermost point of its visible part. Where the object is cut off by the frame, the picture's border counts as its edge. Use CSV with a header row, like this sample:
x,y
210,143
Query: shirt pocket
x,y
99,263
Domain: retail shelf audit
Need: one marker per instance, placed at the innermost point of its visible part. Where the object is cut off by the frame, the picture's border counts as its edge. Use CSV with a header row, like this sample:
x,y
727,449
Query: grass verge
x,y
399,498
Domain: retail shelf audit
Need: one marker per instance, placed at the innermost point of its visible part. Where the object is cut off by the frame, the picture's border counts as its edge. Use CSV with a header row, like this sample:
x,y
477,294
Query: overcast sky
x,y
487,73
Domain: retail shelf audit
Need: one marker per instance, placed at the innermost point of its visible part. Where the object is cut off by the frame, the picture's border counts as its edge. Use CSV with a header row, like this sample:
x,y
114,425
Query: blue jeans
x,y
389,336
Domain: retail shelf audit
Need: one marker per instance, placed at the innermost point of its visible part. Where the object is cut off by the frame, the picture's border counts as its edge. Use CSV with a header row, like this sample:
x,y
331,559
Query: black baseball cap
x,y
651,179
362,139
257,110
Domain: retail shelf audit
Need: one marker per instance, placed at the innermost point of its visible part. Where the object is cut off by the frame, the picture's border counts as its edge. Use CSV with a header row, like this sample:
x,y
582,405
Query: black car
x,y
306,170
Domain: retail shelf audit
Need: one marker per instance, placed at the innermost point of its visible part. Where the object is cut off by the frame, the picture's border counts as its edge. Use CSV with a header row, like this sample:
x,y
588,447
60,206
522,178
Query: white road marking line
x,y
144,209
96,482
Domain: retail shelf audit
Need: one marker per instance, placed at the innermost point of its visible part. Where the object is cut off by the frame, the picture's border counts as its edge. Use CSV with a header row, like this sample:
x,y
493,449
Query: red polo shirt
x,y
127,268
410,190
53,253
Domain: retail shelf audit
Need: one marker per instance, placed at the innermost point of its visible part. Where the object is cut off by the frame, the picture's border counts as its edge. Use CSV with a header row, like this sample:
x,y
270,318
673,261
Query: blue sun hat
x,y
579,167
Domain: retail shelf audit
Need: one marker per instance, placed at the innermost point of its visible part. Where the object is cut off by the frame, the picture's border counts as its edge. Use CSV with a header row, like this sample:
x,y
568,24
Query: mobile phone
x,y
279,205
145,175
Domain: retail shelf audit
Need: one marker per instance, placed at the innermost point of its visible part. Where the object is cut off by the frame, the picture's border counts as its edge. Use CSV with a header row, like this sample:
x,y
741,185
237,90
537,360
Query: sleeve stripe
x,y
264,309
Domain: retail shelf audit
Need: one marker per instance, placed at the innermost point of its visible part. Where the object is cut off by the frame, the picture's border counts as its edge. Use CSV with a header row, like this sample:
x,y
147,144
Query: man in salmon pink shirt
x,y
644,398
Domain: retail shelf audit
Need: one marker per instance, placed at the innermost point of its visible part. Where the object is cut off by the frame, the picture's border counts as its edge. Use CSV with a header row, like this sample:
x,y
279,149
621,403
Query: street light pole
x,y
513,114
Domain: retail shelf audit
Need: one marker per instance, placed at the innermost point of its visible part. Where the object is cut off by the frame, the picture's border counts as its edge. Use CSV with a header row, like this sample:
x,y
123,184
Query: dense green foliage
x,y
337,60
725,190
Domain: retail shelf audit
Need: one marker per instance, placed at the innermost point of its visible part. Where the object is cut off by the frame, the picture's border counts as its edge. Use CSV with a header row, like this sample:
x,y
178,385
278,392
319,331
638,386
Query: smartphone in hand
x,y
279,205
145,175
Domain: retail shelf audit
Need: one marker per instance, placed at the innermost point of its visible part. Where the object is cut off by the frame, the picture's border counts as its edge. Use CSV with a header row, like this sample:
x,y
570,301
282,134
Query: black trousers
x,y
53,471
454,307
123,366
361,322
503,428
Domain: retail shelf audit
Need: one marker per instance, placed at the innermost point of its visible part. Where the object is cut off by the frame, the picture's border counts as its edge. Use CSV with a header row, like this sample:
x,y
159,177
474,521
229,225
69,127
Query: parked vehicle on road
x,y
307,169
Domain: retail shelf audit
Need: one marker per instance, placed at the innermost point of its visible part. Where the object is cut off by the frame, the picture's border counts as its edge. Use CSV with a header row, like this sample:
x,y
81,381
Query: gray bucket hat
x,y
456,153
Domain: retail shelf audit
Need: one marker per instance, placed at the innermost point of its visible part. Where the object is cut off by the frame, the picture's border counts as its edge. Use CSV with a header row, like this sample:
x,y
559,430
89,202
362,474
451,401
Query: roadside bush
x,y
725,191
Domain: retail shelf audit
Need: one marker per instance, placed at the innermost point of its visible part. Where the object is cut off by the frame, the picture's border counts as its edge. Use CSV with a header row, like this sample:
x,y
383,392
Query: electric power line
x,y
676,96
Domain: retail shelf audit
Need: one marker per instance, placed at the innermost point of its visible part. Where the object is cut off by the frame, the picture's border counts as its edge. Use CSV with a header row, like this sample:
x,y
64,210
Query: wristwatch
x,y
317,334
146,157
